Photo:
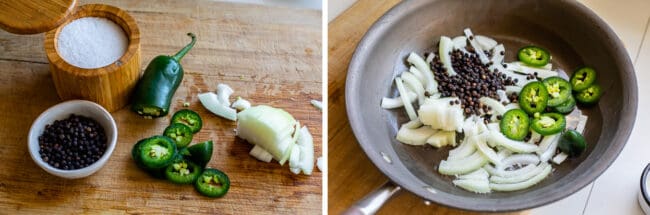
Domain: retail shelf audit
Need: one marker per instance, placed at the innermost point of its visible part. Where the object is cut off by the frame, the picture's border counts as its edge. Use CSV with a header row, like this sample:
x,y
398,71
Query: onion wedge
x,y
524,184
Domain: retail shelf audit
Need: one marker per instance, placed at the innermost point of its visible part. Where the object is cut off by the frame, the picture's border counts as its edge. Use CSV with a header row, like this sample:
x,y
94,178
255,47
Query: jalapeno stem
x,y
180,54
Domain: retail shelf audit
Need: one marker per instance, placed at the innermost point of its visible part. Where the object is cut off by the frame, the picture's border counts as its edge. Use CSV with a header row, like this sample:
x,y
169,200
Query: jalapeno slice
x,y
180,133
189,118
533,98
566,107
572,143
182,171
589,96
212,183
200,153
534,56
559,90
156,152
583,78
514,124
548,123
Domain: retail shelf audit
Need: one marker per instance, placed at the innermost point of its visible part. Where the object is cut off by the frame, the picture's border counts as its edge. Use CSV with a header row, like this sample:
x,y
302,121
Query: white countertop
x,y
615,191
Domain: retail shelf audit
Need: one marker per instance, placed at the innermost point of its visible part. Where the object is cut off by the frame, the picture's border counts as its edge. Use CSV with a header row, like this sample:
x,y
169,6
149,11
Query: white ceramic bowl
x,y
644,194
62,111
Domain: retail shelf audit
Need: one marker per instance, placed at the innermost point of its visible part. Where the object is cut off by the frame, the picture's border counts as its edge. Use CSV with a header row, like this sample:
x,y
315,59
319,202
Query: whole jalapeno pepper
x,y
153,93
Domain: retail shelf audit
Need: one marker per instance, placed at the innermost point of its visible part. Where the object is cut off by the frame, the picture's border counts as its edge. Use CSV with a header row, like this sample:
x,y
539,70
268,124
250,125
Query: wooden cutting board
x,y
351,174
267,55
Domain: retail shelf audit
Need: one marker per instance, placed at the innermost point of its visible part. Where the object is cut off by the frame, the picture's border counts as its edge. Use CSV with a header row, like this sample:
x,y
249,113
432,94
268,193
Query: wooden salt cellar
x,y
108,86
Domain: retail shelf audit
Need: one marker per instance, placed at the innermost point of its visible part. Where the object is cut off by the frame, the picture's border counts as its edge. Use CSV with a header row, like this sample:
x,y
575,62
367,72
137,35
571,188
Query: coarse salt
x,y
91,42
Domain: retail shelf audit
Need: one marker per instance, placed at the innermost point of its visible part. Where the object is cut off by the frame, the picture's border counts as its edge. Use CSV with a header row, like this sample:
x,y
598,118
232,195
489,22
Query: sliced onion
x,y
521,68
477,48
520,177
442,138
315,103
497,107
503,97
390,103
509,173
524,184
430,57
319,164
414,84
431,85
439,114
261,154
519,159
513,89
473,185
223,93
241,104
490,154
581,124
445,48
416,136
462,166
460,42
405,99
511,106
479,174
271,128
534,137
467,147
550,149
497,138
485,42
211,102
413,124
497,57
559,158
305,144
418,74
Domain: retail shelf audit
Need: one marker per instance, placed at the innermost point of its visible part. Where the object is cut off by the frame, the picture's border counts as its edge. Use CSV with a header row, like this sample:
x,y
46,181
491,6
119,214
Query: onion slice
x,y
524,184
431,85
211,102
445,47
405,98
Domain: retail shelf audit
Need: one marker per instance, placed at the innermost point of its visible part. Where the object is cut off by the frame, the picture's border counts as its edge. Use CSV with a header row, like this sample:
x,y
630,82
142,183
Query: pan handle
x,y
372,202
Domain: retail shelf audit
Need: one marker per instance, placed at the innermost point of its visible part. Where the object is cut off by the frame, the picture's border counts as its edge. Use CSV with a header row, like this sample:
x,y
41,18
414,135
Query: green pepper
x,y
156,152
153,93
589,96
583,78
200,153
180,133
534,56
548,123
566,107
559,90
572,143
533,98
514,124
183,171
189,118
212,183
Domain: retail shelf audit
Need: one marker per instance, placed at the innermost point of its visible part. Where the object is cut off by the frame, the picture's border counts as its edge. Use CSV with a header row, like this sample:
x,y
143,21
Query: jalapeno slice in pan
x,y
533,98
559,90
157,152
200,153
572,143
583,78
589,96
548,123
566,107
180,133
212,183
534,56
183,171
189,118
514,124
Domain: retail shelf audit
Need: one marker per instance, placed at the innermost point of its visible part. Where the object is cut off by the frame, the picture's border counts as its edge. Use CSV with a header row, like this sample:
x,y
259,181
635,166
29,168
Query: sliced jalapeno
x,y
183,171
583,78
534,56
200,153
589,96
548,123
156,152
189,118
559,90
180,133
566,107
212,183
533,98
572,143
514,124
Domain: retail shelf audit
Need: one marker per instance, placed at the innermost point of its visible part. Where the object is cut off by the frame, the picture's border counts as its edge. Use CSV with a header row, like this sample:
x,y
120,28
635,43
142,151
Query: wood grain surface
x,y
268,55
351,174
19,16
